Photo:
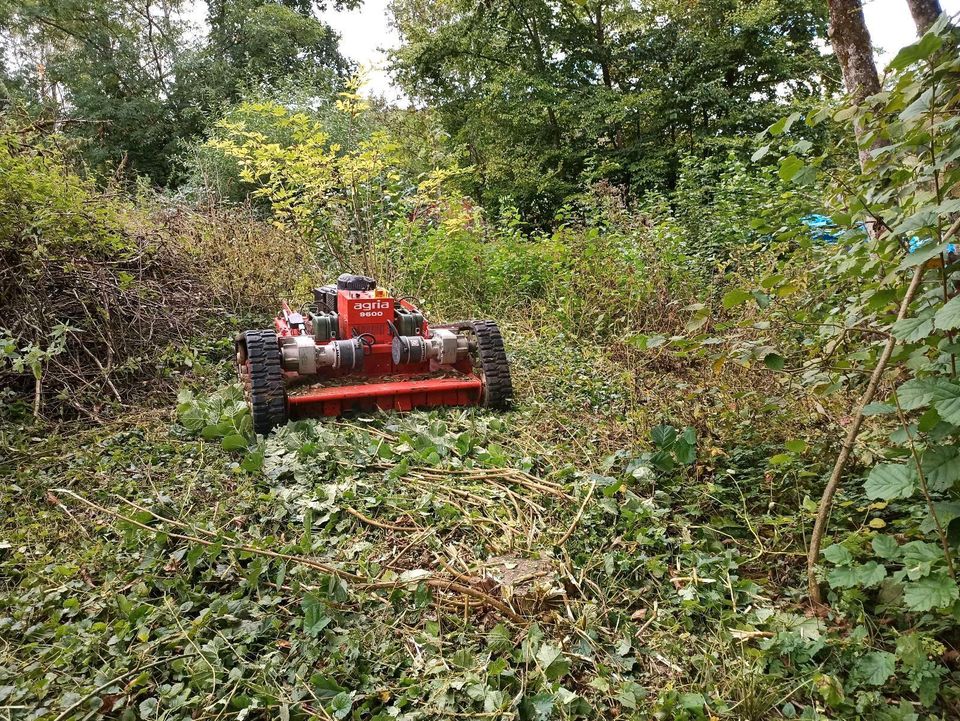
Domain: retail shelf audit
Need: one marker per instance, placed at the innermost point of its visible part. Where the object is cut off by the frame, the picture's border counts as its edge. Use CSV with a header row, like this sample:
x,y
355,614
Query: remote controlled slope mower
x,y
357,348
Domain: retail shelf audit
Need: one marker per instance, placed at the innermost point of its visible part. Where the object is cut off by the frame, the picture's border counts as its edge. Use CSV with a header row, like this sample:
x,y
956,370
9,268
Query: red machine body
x,y
369,313
360,348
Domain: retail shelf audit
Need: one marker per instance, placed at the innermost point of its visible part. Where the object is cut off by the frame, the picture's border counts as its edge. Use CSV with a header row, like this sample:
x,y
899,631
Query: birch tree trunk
x,y
925,13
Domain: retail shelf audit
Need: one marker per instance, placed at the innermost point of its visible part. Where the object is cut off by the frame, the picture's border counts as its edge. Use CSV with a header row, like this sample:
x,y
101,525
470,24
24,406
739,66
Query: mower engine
x,y
357,348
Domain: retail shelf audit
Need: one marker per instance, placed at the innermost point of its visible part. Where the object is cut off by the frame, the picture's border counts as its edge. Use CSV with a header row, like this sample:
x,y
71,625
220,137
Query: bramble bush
x,y
100,289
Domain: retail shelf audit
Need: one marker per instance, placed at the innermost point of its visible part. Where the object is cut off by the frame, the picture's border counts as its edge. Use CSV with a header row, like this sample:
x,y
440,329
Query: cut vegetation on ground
x,y
729,483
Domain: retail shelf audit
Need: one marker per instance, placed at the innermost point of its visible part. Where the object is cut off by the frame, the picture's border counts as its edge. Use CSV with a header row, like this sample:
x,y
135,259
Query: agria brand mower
x,y
358,348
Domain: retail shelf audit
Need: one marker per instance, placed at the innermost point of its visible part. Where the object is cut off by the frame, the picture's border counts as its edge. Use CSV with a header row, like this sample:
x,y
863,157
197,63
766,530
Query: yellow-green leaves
x,y
733,298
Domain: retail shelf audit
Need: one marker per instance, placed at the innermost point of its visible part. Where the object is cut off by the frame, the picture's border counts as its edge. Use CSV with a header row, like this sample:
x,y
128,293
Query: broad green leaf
x,y
252,462
547,654
663,435
929,420
890,480
685,452
234,442
692,701
920,392
870,574
881,299
663,460
875,667
941,467
315,618
921,256
927,45
463,658
878,409
935,591
946,512
919,558
796,445
948,317
758,155
552,662
499,639
885,547
325,687
217,430
838,554
735,297
774,361
948,406
911,330
790,167
341,704
784,124
843,577
919,107
845,113
540,705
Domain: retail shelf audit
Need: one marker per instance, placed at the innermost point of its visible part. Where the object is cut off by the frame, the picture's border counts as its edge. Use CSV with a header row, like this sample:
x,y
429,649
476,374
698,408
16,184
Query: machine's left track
x,y
258,364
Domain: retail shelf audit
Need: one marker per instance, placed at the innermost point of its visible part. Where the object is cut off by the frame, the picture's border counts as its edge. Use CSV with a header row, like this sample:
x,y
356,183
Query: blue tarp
x,y
823,229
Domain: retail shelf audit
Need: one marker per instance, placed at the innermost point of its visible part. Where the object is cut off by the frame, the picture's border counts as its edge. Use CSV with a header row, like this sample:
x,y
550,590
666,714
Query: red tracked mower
x,y
358,348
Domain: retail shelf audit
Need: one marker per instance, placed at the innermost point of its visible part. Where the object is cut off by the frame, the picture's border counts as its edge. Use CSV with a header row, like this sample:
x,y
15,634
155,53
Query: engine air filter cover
x,y
356,282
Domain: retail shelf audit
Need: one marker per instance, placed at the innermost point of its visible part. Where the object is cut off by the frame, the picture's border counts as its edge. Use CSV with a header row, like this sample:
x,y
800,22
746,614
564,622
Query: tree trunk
x,y
925,13
602,56
851,44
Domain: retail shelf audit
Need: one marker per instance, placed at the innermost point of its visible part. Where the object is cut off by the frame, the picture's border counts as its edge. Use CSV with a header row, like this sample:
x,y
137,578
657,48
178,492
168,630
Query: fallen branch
x,y
379,524
447,585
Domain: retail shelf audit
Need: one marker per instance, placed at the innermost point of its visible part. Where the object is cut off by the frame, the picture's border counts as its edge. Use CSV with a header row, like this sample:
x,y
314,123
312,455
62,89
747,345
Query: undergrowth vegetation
x,y
631,540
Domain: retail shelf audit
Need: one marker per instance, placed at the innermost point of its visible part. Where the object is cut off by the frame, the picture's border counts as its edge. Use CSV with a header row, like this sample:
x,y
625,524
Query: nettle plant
x,y
874,311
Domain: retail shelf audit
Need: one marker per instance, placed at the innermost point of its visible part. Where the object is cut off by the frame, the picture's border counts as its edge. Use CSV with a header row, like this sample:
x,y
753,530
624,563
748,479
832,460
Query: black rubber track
x,y
497,384
267,395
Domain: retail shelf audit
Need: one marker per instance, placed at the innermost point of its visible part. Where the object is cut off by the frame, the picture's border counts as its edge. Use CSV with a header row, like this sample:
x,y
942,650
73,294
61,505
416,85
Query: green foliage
x,y
683,366
547,98
103,292
224,415
350,195
287,636
48,212
134,83
848,295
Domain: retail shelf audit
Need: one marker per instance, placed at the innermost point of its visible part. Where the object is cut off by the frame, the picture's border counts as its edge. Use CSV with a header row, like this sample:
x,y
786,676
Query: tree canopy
x,y
136,80
545,96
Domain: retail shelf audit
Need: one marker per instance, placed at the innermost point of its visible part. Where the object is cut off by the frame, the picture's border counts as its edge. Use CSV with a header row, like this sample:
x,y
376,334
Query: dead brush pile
x,y
95,289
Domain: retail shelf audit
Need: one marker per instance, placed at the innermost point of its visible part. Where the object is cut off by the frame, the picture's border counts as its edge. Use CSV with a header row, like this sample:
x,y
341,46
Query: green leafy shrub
x,y
893,559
